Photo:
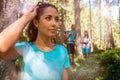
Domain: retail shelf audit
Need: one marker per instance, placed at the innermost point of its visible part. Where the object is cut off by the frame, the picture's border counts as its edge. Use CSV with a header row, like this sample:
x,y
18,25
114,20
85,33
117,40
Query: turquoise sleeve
x,y
67,62
20,47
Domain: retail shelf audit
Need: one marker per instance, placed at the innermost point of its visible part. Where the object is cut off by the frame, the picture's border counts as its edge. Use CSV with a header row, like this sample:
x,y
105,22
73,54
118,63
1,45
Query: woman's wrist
x,y
22,22
25,19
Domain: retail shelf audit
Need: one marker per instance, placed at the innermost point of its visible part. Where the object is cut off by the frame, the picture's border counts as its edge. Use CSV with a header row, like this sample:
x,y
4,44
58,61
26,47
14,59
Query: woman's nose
x,y
54,22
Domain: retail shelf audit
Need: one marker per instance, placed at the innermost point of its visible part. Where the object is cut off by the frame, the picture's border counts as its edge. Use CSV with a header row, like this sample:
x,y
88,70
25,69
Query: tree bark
x,y
119,10
8,14
110,41
100,26
92,44
78,26
62,28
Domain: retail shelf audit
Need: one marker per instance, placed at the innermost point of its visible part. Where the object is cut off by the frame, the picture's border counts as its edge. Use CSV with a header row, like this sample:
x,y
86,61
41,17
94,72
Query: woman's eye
x,y
48,18
57,19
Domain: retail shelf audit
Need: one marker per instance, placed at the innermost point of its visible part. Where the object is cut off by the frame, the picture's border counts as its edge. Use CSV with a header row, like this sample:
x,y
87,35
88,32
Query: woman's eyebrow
x,y
48,15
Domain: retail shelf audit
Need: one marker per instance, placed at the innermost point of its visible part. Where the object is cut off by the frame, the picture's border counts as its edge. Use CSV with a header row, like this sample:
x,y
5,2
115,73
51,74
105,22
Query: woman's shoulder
x,y
23,47
61,49
60,46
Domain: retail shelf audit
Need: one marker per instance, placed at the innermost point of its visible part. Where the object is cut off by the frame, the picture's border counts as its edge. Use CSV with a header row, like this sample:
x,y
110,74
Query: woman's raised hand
x,y
29,11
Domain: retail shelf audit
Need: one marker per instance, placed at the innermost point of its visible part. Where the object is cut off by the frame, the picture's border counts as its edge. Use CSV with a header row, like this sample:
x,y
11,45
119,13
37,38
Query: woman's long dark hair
x,y
32,30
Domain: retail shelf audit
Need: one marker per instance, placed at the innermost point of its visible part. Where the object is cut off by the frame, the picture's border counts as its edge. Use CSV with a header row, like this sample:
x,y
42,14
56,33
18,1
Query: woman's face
x,y
48,22
85,33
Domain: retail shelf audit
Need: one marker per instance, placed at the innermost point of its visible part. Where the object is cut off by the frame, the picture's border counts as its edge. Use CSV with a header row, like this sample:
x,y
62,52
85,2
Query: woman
x,y
85,41
42,59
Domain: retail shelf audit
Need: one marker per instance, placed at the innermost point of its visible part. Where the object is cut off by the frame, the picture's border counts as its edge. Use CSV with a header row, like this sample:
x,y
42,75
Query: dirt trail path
x,y
89,69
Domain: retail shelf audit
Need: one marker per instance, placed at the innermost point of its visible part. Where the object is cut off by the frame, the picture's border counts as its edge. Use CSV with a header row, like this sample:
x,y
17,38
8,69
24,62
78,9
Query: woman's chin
x,y
52,35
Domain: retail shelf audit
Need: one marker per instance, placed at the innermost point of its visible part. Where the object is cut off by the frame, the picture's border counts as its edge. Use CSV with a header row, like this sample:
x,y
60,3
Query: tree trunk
x,y
62,28
78,26
100,26
42,0
8,14
110,41
119,10
92,44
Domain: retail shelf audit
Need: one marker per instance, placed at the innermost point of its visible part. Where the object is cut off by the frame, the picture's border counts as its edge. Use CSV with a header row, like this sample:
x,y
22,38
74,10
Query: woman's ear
x,y
35,22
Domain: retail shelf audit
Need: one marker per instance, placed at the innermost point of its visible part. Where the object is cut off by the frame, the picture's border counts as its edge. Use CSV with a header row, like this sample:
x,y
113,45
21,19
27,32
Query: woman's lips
x,y
52,30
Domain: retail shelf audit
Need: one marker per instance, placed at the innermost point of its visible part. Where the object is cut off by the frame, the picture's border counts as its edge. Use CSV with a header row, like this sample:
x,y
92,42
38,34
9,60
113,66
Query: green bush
x,y
111,61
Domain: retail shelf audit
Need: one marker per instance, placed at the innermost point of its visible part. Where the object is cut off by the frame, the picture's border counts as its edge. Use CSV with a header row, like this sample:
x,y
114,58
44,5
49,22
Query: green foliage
x,y
111,60
116,33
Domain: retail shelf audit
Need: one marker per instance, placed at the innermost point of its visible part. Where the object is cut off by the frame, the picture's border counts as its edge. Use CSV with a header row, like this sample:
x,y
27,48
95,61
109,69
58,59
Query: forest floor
x,y
90,69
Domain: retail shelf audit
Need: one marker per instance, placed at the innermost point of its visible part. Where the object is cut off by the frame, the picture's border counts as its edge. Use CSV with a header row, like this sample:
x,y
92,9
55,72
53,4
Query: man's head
x,y
73,27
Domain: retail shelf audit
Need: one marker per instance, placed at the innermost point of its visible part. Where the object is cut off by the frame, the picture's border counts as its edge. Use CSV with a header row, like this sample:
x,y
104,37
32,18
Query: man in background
x,y
70,41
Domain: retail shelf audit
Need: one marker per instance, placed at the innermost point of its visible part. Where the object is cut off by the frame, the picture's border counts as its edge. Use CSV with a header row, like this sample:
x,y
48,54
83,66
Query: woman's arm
x,y
10,54
65,74
83,42
10,35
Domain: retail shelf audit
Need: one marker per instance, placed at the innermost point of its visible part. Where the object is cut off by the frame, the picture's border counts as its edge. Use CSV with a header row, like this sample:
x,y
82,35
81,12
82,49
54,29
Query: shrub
x,y
111,61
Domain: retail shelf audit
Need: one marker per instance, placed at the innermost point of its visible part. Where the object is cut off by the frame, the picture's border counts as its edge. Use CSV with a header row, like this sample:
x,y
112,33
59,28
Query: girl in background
x,y
85,42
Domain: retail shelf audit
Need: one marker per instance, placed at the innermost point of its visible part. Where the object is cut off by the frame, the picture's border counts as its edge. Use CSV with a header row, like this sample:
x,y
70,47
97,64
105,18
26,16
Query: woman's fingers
x,y
30,11
28,7
35,9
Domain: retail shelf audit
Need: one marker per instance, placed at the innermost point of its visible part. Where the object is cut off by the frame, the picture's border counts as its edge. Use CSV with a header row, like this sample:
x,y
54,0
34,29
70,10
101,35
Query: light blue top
x,y
71,38
42,65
